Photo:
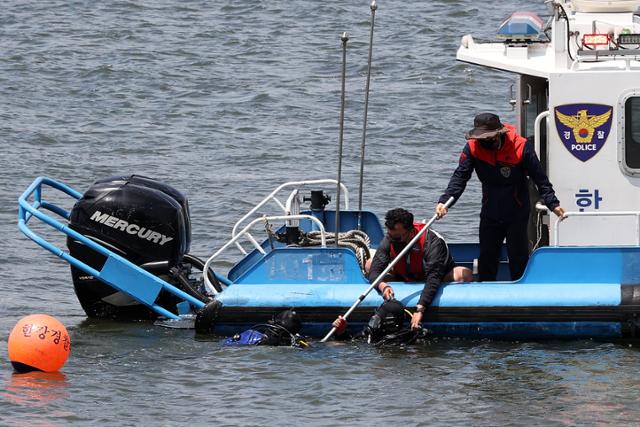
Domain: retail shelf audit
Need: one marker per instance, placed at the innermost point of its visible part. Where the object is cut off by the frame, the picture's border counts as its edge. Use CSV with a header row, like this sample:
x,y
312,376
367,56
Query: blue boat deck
x,y
332,276
287,261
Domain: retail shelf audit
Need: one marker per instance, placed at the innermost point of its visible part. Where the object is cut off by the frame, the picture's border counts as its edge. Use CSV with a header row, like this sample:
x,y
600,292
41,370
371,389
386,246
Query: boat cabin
x,y
578,96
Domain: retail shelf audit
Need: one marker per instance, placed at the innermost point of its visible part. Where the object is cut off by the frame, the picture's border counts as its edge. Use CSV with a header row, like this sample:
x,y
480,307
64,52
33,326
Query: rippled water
x,y
225,101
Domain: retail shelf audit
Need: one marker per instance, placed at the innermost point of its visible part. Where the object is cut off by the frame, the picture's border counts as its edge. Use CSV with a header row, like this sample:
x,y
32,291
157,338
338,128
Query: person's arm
x,y
537,175
380,261
434,262
458,181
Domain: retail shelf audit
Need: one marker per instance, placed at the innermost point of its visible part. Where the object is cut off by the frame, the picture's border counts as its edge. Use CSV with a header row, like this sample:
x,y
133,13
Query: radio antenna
x,y
344,38
374,7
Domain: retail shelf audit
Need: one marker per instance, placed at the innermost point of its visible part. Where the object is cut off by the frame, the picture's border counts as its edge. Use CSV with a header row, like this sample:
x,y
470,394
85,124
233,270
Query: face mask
x,y
491,144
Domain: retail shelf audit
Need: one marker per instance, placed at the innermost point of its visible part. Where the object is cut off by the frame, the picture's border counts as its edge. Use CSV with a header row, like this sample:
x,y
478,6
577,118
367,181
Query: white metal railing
x,y
556,226
284,208
536,131
606,60
245,231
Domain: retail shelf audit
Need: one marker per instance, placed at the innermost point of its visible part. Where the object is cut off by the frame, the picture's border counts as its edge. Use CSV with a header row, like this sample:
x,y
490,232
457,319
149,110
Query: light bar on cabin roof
x,y
521,26
595,40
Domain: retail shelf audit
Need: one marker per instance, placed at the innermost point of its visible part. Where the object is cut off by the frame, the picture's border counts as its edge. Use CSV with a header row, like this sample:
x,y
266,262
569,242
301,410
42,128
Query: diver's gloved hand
x,y
340,324
386,291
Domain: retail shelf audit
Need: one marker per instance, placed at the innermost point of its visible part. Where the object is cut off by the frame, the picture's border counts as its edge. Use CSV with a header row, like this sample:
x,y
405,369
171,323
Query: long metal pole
x,y
374,7
344,38
400,256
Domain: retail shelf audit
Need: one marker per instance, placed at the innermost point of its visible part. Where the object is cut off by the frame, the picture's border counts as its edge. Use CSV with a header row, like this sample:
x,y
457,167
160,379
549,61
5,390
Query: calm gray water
x,y
225,101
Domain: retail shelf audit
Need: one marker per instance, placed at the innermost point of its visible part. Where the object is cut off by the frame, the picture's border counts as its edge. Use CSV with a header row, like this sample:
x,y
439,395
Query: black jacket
x,y
436,262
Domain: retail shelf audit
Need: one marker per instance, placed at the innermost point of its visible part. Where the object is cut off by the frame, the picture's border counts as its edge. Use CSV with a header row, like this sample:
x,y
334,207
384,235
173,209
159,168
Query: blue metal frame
x,y
117,271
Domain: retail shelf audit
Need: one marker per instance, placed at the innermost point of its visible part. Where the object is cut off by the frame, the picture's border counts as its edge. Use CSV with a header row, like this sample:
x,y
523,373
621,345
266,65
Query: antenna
x,y
374,7
344,38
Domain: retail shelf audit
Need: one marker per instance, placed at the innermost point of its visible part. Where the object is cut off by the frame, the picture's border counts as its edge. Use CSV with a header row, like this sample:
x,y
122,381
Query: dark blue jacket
x,y
503,173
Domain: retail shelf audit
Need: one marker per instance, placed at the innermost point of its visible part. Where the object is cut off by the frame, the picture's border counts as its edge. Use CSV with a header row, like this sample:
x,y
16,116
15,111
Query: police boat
x,y
577,94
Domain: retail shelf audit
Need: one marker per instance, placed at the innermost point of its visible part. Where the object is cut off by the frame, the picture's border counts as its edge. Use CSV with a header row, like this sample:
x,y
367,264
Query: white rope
x,y
356,240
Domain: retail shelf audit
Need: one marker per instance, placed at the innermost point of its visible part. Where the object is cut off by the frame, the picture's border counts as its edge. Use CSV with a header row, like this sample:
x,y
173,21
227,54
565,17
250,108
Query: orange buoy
x,y
38,342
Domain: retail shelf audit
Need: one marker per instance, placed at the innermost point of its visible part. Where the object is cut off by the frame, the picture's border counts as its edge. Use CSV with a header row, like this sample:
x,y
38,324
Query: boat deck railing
x,y
285,208
626,59
288,211
245,232
556,227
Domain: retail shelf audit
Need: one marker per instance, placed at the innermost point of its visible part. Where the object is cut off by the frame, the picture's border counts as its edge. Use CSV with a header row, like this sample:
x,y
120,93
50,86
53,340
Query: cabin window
x,y
632,133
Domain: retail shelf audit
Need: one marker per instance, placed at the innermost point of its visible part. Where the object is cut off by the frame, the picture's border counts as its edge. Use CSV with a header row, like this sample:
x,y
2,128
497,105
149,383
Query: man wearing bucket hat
x,y
502,160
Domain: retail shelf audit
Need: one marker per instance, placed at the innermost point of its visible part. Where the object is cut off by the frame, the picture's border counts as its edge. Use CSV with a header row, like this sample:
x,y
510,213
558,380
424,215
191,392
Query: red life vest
x,y
509,154
415,271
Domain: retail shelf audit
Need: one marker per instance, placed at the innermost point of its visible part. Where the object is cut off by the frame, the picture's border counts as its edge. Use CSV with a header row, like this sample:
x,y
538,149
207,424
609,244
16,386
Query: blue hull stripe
x,y
450,295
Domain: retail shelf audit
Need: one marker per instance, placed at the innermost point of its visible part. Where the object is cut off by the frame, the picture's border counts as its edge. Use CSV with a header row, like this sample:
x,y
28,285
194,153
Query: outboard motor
x,y
146,222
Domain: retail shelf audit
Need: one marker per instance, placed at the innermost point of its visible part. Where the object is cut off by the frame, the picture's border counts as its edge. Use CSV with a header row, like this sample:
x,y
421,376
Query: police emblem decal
x,y
505,171
583,128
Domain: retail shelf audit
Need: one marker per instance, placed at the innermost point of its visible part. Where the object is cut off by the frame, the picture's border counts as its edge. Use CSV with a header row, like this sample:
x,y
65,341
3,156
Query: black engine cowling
x,y
141,219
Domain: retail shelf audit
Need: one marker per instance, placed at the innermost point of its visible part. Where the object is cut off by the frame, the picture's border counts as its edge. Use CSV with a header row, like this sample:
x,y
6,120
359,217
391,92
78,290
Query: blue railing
x,y
116,272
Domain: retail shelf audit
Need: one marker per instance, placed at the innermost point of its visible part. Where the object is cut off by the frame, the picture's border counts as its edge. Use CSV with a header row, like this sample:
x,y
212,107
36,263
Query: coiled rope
x,y
356,240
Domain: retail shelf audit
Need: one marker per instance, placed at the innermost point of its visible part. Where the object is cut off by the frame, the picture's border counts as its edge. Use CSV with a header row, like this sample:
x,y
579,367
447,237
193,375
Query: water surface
x,y
225,101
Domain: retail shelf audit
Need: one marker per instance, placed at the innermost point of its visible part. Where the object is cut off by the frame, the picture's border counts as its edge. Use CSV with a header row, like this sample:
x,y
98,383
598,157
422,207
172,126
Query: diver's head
x,y
288,319
387,319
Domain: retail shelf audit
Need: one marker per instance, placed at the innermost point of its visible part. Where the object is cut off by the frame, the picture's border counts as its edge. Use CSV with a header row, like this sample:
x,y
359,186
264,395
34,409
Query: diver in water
x,y
386,326
282,330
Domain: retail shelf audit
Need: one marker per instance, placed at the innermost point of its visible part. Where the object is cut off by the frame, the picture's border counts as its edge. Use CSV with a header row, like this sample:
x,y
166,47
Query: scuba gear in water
x,y
282,329
248,337
289,320
387,319
403,337
386,325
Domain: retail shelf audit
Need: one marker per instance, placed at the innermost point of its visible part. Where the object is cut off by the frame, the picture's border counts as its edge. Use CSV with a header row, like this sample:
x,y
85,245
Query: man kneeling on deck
x,y
429,260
